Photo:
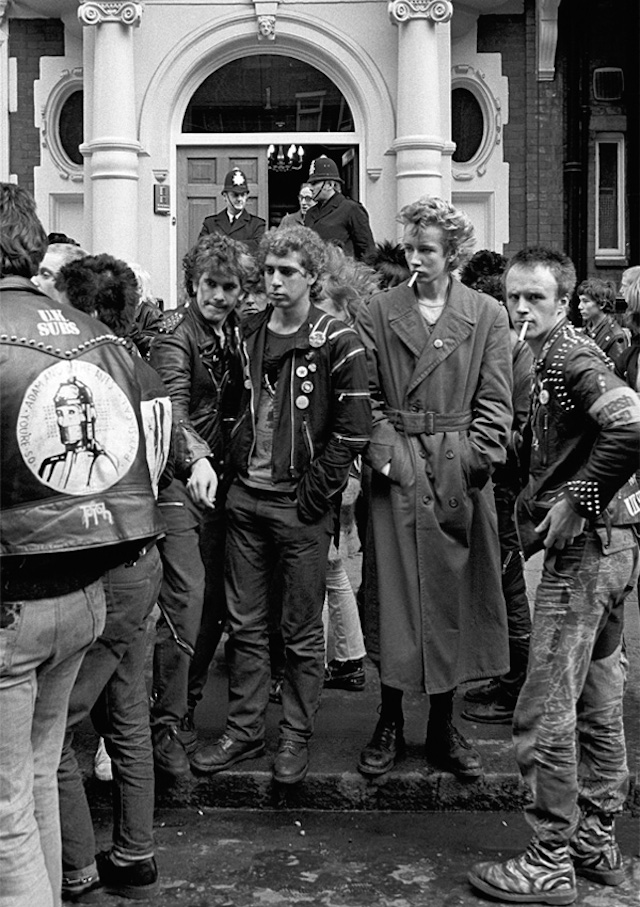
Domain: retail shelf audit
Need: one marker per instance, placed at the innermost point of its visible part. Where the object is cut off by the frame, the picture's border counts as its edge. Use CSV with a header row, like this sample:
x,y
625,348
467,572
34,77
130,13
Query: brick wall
x,y
533,137
29,39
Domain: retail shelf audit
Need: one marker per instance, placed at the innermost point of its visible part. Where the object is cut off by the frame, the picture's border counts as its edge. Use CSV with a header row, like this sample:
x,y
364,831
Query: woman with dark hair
x,y
440,378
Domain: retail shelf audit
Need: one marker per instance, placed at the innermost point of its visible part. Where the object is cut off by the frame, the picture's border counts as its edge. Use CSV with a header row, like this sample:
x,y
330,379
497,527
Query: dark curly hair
x,y
216,253
282,241
481,265
23,241
103,286
390,263
602,292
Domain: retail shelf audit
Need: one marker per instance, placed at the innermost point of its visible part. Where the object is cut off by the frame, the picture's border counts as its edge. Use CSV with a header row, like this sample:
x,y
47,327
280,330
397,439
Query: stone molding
x,y
266,12
97,12
546,38
437,10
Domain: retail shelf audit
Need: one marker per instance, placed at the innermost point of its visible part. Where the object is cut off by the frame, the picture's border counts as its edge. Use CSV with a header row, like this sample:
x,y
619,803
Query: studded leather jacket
x,y
322,405
75,479
584,432
204,380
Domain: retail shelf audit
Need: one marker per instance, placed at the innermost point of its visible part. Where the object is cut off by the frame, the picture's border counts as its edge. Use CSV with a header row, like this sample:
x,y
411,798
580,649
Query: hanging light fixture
x,y
281,162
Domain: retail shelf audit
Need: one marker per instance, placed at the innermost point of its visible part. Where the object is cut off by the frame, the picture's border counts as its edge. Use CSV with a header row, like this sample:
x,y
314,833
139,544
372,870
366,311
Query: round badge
x,y
544,396
302,371
312,366
317,339
306,387
438,343
302,402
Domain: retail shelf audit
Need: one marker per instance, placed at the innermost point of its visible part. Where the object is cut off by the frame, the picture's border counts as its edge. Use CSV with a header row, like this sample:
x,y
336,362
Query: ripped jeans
x,y
568,731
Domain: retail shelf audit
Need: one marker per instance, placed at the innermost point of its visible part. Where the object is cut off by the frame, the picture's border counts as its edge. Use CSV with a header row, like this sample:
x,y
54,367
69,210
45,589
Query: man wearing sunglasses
x,y
305,416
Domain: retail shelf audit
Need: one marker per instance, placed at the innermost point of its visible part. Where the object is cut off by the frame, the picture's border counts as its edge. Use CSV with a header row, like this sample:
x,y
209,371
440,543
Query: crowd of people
x,y
218,460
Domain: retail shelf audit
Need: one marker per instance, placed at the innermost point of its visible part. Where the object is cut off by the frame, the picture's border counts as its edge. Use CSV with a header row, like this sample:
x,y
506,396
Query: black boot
x,y
387,744
445,746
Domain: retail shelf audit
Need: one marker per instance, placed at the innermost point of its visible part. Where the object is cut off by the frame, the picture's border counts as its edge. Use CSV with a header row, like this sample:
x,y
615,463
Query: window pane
x,y
267,93
467,124
608,195
71,127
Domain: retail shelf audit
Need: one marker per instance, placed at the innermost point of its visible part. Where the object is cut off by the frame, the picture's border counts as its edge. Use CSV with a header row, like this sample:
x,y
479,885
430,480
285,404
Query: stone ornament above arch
x,y
70,81
205,50
96,12
465,76
436,10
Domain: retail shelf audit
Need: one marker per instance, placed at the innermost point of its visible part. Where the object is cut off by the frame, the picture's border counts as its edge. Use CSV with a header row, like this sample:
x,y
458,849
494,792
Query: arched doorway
x,y
237,114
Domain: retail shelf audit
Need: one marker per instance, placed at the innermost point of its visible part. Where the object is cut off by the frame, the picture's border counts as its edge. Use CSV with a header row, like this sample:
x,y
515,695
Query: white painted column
x,y
5,101
422,143
111,148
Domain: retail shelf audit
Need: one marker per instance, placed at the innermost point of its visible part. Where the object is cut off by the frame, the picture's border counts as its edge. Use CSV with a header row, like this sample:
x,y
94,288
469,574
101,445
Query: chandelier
x,y
281,162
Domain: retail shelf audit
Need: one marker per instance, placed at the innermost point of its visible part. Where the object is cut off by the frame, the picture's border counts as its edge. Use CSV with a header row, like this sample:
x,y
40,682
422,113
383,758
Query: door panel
x,y
201,173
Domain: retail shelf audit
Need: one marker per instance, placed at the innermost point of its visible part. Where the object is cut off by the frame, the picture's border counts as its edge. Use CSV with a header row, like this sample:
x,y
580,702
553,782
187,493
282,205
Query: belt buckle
x,y
430,423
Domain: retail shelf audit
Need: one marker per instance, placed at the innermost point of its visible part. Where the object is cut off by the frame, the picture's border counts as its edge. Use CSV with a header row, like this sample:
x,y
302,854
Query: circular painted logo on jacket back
x,y
77,431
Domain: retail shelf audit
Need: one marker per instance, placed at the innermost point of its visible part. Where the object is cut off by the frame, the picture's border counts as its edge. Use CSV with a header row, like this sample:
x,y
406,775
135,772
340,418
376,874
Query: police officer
x,y
334,218
235,221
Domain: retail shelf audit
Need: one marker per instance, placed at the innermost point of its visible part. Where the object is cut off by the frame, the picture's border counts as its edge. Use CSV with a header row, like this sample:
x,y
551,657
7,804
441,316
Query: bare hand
x,y
203,484
562,525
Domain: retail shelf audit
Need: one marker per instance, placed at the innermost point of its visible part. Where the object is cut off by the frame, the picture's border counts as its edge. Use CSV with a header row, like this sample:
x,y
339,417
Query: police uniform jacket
x,y
345,223
247,228
323,414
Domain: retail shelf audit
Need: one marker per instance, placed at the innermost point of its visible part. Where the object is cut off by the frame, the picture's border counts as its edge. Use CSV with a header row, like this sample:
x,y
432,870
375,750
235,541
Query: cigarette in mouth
x,y
523,331
413,279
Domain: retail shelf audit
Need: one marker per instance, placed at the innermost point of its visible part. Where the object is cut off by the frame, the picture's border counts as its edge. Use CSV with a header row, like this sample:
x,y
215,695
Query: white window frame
x,y
604,252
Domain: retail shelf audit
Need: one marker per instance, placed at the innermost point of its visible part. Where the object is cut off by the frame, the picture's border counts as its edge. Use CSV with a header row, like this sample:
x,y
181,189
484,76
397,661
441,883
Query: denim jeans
x,y
111,688
192,565
264,533
42,644
513,587
575,683
343,633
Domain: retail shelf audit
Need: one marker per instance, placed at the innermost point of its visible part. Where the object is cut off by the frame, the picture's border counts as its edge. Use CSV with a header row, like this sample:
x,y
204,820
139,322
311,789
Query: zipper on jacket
x,y
292,414
249,382
545,440
305,428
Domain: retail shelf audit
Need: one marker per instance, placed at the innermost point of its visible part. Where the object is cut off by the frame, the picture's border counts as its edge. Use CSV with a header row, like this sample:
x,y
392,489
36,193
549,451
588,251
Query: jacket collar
x,y
317,322
455,324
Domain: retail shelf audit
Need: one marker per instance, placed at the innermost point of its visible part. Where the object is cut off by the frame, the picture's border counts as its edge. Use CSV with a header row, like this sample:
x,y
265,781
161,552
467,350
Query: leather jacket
x,y
75,477
610,337
584,433
204,380
322,404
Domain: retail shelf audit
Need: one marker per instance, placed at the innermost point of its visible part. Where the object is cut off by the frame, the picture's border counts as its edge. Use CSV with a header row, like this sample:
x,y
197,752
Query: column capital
x,y
95,12
436,10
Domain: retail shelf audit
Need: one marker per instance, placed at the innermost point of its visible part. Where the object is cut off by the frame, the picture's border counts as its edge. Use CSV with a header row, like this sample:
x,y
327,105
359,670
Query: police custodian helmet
x,y
323,168
235,181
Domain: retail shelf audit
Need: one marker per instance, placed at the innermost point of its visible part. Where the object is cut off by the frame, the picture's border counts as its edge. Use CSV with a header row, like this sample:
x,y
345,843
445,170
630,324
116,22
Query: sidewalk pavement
x,y
345,722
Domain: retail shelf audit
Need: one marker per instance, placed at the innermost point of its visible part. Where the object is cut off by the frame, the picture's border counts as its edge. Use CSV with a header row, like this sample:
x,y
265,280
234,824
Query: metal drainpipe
x,y
587,223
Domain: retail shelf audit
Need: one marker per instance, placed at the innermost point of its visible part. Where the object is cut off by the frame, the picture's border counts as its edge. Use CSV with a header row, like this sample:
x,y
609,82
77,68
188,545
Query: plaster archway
x,y
311,40
204,50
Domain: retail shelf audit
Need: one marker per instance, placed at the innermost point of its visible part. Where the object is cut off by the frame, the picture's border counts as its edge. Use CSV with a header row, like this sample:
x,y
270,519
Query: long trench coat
x,y
442,415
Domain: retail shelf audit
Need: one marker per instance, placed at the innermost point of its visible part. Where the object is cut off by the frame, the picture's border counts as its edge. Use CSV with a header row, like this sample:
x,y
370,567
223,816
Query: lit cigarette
x,y
523,332
413,279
